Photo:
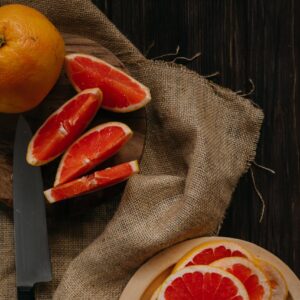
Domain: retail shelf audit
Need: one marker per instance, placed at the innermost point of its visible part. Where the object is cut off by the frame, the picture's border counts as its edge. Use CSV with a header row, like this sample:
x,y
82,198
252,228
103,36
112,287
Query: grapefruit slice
x,y
276,280
61,129
98,180
254,280
203,283
95,146
121,92
206,253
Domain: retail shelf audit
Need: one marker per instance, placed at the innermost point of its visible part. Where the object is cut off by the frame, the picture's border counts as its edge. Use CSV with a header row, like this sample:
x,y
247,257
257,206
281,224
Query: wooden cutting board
x,y
145,283
59,94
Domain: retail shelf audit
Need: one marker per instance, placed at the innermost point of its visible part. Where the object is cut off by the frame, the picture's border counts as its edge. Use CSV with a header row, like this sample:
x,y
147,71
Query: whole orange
x,y
31,57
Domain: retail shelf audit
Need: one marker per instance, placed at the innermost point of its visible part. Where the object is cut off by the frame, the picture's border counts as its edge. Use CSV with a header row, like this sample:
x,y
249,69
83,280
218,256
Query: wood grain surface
x,y
242,40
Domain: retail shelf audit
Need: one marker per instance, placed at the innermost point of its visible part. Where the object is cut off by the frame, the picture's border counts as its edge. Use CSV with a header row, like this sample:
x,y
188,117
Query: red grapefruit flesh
x,y
121,92
254,280
95,146
206,253
65,125
202,283
98,180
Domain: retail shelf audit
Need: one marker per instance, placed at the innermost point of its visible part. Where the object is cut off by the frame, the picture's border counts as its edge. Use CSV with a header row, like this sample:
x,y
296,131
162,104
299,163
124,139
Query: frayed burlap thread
x,y
200,139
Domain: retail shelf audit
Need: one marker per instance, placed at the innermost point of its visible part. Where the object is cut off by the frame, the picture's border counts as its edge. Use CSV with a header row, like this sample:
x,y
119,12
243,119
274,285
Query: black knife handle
x,y
26,293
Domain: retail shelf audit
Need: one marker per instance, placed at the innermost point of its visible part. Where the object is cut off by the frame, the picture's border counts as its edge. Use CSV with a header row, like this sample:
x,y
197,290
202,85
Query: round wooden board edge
x,y
145,275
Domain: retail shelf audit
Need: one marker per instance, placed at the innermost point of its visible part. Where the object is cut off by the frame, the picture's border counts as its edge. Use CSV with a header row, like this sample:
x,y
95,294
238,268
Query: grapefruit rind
x,y
30,158
227,262
130,108
272,273
48,196
203,269
135,166
188,257
134,170
128,133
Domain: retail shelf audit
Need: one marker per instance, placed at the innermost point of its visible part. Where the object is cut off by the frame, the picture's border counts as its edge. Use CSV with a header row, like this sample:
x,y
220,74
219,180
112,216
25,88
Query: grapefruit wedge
x,y
95,146
121,92
98,180
206,253
65,125
202,282
254,280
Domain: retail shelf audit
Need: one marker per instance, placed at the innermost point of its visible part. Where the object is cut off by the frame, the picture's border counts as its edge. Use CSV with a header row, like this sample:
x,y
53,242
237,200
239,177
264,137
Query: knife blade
x,y
31,237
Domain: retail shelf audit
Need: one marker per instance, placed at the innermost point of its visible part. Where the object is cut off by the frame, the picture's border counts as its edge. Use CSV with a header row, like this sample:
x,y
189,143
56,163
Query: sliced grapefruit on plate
x,y
94,147
60,130
254,280
121,92
206,253
202,282
98,180
276,280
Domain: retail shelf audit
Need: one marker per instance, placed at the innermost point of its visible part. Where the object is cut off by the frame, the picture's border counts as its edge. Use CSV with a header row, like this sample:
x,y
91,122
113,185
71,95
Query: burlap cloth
x,y
201,138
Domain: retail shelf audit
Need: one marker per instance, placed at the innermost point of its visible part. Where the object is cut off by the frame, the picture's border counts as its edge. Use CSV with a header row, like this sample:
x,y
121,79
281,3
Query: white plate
x,y
148,278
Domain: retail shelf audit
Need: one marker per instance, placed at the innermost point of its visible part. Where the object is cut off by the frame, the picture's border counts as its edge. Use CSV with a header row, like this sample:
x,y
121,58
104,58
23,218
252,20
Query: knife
x,y
31,238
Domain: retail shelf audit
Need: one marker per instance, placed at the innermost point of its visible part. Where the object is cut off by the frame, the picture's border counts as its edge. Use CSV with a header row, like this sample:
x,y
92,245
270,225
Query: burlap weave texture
x,y
200,139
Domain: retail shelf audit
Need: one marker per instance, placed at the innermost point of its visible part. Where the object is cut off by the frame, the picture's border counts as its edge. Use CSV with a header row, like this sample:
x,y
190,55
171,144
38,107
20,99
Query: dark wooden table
x,y
243,40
